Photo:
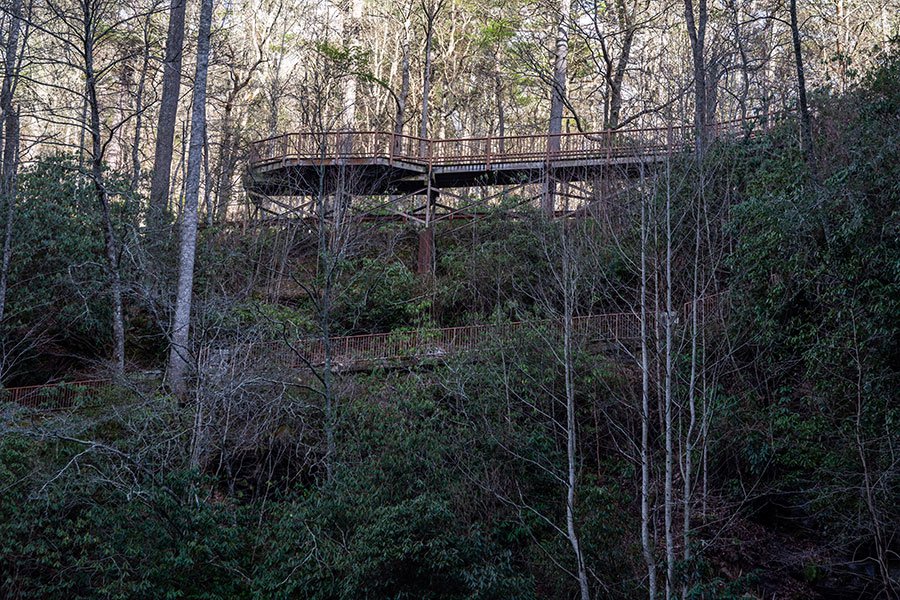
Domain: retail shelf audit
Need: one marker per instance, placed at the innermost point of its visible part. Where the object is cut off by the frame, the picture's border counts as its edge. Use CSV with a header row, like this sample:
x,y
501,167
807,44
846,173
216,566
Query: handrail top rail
x,y
599,132
81,382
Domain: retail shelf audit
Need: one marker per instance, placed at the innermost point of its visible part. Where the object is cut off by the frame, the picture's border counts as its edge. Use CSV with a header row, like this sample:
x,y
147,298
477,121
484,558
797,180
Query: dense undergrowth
x,y
445,479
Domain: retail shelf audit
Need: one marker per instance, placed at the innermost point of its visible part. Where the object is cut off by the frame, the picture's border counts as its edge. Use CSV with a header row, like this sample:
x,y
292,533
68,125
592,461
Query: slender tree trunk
x,y
692,404
669,351
571,445
226,165
498,99
168,116
626,22
805,120
560,72
10,159
326,265
180,350
742,52
557,99
82,131
403,97
109,237
327,367
139,111
646,546
10,166
880,536
697,34
430,17
351,39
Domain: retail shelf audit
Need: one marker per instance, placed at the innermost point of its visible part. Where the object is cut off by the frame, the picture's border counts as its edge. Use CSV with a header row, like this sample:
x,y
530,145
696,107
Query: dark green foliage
x,y
816,277
380,296
57,281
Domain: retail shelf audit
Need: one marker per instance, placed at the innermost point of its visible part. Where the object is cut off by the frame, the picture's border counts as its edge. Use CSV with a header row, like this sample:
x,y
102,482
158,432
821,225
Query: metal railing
x,y
487,151
55,396
357,350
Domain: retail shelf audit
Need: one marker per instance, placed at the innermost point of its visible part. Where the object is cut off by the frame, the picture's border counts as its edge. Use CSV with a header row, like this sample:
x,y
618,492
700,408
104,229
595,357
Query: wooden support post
x,y
426,236
426,251
548,198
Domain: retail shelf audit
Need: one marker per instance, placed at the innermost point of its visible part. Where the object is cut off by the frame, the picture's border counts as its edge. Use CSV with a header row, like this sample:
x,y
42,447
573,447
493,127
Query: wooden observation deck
x,y
382,163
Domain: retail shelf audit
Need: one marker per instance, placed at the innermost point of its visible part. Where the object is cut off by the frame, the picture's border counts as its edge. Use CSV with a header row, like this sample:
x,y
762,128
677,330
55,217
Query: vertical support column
x,y
426,255
548,196
426,251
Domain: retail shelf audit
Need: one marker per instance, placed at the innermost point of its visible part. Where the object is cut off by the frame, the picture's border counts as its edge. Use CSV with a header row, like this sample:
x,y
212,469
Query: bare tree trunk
x,y
179,352
10,166
498,99
139,110
403,97
805,120
10,159
881,537
692,402
431,13
226,161
697,34
168,115
326,267
426,236
626,23
327,367
571,446
109,238
351,38
742,52
557,99
669,351
645,413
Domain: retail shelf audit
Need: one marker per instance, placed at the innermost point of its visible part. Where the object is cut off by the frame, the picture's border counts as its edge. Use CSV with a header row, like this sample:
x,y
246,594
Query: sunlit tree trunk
x,y
616,78
557,99
180,349
646,544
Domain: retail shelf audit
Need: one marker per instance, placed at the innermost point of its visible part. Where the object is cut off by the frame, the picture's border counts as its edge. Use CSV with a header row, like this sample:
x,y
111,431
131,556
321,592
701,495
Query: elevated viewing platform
x,y
381,163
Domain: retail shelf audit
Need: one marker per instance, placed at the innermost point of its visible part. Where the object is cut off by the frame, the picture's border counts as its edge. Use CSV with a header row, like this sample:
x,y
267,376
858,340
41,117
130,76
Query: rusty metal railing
x,y
55,396
350,351
487,151
354,350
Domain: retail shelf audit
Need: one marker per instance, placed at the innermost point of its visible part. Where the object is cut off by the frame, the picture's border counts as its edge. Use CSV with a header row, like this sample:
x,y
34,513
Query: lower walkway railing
x,y
361,350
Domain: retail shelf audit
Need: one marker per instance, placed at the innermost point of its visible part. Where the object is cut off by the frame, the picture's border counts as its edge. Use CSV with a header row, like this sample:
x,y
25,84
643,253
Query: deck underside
x,y
379,176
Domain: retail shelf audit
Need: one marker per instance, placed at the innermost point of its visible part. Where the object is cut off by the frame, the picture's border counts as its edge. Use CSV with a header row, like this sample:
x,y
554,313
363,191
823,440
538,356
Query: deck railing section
x,y
356,145
359,350
54,396
435,343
